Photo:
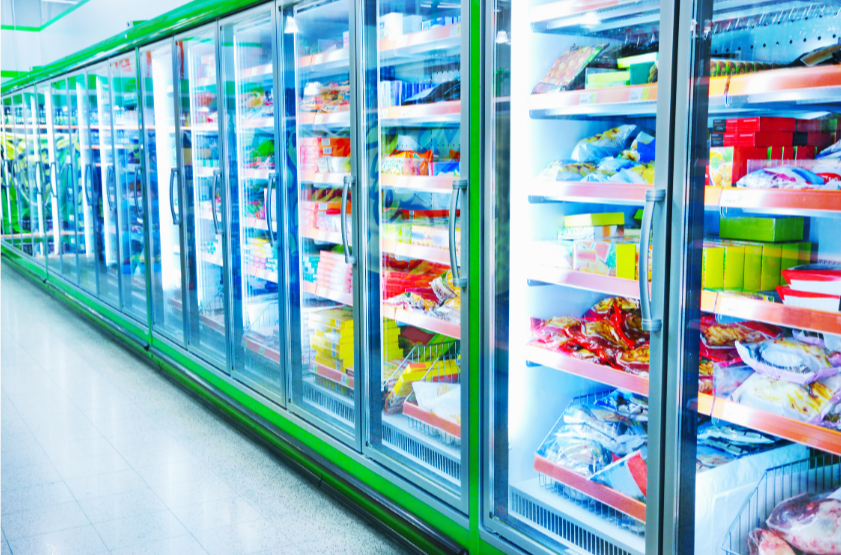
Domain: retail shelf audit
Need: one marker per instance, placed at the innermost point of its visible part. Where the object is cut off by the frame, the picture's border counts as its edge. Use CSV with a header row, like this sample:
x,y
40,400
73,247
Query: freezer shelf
x,y
440,425
609,285
400,435
417,183
327,400
433,114
422,320
432,254
543,190
762,421
589,370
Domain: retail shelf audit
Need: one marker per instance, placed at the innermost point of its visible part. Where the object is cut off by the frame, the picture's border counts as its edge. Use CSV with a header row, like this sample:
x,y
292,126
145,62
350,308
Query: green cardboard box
x,y
794,254
594,220
766,229
733,263
713,270
770,273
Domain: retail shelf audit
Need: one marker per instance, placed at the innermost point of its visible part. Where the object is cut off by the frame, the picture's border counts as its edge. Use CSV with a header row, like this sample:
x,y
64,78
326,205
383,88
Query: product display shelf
x,y
325,62
594,490
432,254
442,184
610,285
406,48
422,320
632,100
331,120
265,70
401,435
589,370
434,114
442,425
203,171
775,201
321,235
261,273
318,178
569,521
544,190
258,123
770,312
325,293
333,375
262,350
215,259
328,400
215,322
256,173
812,435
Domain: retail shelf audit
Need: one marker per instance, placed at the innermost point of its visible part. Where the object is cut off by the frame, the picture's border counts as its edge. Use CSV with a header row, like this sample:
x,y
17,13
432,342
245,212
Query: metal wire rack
x,y
814,475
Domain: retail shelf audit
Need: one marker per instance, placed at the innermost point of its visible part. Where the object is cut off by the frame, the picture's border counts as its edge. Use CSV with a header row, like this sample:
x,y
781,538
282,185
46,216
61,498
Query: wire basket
x,y
814,475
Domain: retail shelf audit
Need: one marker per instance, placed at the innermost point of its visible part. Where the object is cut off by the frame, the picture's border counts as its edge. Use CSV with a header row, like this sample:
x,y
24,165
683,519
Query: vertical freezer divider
x,y
652,196
459,185
349,181
213,190
267,204
176,220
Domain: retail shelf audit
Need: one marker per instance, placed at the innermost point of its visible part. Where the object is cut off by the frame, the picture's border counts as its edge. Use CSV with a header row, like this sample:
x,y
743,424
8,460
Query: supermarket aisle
x,y
102,454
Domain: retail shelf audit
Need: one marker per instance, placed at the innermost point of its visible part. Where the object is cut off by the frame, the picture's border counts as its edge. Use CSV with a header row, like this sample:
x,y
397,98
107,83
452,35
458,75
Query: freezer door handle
x,y
652,196
88,178
176,220
214,188
138,197
111,186
459,186
54,176
348,183
268,208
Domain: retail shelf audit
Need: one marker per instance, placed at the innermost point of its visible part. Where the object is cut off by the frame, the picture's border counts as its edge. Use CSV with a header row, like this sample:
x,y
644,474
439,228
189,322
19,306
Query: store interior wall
x,y
38,32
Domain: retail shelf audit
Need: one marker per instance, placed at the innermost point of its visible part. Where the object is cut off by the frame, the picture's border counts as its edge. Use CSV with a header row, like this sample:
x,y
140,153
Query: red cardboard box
x,y
759,139
741,155
792,153
808,126
819,140
765,125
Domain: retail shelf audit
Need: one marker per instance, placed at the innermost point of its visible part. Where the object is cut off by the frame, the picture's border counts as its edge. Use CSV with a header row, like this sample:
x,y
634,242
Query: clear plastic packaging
x,y
790,360
765,542
806,403
785,177
607,144
628,475
621,435
630,405
811,522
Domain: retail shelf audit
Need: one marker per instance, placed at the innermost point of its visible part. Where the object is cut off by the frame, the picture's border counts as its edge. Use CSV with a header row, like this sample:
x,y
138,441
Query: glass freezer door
x,y
577,104
127,177
83,192
755,323
42,217
248,62
10,208
48,177
163,189
101,174
61,174
204,188
415,192
27,186
322,315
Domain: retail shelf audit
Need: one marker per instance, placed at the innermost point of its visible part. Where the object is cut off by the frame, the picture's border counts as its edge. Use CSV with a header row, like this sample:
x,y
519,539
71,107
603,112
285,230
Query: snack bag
x,y
603,145
630,405
627,475
606,307
635,361
607,168
599,337
583,456
620,434
552,329
785,177
642,149
806,403
568,69
790,360
562,170
718,341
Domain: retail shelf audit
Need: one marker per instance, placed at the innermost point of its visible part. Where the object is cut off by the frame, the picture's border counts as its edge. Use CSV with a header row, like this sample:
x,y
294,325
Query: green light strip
x,y
45,25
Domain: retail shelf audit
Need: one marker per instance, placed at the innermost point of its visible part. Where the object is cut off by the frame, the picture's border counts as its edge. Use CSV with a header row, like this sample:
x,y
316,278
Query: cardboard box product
x,y
589,232
396,24
757,228
719,125
732,263
729,164
808,125
630,61
819,140
794,254
555,254
759,139
641,73
712,276
763,124
602,256
769,276
716,140
594,220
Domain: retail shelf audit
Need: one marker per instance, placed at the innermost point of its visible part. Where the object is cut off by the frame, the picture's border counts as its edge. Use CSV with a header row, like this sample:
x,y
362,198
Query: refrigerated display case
x,y
41,217
163,186
62,153
83,191
9,194
127,189
248,71
202,180
25,170
577,104
314,39
757,348
412,217
49,201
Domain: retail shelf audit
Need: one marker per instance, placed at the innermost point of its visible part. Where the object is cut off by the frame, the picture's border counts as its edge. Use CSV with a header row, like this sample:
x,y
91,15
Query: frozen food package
x,y
635,361
820,277
707,457
568,70
441,399
810,522
608,168
790,360
582,456
732,433
785,177
765,542
553,328
624,435
606,307
630,405
832,151
606,144
642,149
718,340
832,420
806,403
600,337
728,377
830,170
809,337
563,170
628,475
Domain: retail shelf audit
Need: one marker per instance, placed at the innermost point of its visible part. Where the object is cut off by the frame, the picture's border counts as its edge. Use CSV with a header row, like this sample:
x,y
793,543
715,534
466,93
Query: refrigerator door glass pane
x,y
163,190
16,166
128,190
103,184
63,173
41,216
248,71
759,258
204,190
27,196
49,186
571,108
321,279
9,192
84,193
413,165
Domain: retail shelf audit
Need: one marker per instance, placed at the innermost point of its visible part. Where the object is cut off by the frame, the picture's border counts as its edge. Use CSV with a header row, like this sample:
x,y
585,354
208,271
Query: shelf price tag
x,y
635,95
587,98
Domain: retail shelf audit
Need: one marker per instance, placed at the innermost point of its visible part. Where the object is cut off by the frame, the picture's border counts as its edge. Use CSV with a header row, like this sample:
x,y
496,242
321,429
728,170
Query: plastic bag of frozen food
x,y
630,405
606,307
832,151
635,361
832,420
553,328
623,435
582,456
728,377
642,149
600,337
441,399
603,145
718,340
607,168
732,433
811,522
765,542
708,457
790,360
807,403
641,173
784,177
628,475
568,70
563,170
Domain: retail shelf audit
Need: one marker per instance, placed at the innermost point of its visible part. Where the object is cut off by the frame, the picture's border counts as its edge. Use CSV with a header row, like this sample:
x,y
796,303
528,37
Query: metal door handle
x,y
138,186
268,207
88,172
459,185
216,175
111,187
54,176
652,196
175,219
348,182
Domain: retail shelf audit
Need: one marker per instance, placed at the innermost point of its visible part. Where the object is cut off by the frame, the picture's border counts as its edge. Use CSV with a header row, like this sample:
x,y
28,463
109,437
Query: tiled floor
x,y
102,454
